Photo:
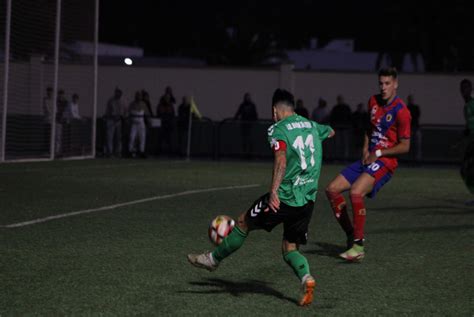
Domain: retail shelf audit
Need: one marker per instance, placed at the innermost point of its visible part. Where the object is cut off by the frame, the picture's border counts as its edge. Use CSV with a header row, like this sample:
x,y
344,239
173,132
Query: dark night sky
x,y
198,28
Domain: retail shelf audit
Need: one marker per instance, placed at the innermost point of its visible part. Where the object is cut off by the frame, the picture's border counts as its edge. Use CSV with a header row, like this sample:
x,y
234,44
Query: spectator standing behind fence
x,y
467,168
184,109
321,112
48,105
415,127
72,109
61,104
165,111
70,131
247,114
169,93
146,100
136,112
114,114
361,124
60,109
340,119
47,114
468,109
300,109
183,122
341,113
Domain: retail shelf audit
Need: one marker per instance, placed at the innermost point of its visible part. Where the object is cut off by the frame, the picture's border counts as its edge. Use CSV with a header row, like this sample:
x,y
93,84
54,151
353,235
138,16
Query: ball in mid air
x,y
220,228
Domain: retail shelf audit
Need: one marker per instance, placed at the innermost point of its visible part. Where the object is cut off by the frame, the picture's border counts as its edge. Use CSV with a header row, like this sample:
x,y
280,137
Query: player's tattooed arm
x,y
279,168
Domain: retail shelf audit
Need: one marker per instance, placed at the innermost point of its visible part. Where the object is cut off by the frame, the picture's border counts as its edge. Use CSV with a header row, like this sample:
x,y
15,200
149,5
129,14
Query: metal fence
x,y
248,140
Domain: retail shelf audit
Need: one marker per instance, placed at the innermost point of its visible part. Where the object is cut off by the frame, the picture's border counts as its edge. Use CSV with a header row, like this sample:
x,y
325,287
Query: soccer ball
x,y
220,228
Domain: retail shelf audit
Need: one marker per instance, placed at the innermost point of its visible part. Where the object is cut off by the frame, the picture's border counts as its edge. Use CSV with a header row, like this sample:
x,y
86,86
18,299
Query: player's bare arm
x,y
279,168
401,148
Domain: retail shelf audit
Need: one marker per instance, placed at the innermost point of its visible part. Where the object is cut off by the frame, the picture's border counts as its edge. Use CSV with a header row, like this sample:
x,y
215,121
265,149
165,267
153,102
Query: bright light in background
x,y
128,61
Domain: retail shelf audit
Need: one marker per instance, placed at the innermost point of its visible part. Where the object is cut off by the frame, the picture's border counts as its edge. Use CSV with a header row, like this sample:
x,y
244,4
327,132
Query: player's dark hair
x,y
466,81
389,71
283,96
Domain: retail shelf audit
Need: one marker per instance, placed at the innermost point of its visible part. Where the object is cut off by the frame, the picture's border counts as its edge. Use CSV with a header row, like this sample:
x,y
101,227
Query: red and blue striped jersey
x,y
389,124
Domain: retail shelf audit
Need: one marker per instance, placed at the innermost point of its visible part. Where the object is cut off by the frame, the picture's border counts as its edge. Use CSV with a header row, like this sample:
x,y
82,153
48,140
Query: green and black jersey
x,y
303,139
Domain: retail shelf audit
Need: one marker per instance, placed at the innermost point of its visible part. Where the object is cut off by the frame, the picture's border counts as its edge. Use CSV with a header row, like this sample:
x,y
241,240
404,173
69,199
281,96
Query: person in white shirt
x,y
72,109
136,112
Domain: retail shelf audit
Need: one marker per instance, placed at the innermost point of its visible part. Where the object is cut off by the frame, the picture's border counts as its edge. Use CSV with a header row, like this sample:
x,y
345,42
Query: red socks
x,y
358,207
338,205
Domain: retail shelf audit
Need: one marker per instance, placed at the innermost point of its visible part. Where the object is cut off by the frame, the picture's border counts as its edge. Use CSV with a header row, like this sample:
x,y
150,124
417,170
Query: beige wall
x,y
219,91
437,95
28,82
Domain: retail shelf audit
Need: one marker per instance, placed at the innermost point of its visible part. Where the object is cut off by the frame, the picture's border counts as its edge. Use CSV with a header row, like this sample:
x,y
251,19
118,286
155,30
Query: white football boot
x,y
203,261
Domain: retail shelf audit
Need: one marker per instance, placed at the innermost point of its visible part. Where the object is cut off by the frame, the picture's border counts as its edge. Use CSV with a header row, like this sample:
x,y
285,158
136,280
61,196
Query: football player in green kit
x,y
296,143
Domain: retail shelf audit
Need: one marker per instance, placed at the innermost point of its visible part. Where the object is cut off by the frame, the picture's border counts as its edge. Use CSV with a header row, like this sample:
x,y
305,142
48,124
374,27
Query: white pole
x,y
96,68
190,125
55,80
5,77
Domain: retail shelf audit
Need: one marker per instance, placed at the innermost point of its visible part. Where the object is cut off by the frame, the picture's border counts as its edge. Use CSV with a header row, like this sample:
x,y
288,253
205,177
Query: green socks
x,y
236,239
298,263
230,244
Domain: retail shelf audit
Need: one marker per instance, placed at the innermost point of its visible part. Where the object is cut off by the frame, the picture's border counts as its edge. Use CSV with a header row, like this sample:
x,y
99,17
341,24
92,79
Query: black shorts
x,y
295,219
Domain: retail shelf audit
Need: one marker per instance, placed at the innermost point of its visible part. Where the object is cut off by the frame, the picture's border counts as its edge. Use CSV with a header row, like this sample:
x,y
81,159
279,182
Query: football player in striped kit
x,y
389,136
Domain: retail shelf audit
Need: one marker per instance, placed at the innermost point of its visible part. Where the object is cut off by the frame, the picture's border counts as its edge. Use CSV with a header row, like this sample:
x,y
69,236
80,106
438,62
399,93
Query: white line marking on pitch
x,y
128,203
71,168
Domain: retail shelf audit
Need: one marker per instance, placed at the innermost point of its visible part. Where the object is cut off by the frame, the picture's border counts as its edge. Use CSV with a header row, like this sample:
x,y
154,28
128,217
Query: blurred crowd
x,y
67,119
125,125
172,124
138,117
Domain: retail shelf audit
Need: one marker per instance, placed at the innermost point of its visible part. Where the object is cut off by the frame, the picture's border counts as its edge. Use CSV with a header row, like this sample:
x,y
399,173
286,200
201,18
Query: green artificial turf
x,y
131,260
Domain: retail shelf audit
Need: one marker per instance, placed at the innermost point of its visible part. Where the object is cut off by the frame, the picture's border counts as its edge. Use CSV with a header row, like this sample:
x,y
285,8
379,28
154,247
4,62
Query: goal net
x,y
49,106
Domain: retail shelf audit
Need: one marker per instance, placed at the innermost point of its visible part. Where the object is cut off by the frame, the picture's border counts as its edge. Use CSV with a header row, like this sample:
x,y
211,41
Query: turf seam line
x,y
128,203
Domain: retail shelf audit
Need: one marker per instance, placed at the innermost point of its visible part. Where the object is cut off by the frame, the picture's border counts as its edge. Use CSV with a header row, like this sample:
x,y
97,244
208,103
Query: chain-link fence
x,y
248,140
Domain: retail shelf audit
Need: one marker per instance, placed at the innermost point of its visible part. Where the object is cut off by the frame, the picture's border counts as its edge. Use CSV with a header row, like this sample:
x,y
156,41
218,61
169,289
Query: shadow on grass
x,y
326,249
330,250
422,229
237,288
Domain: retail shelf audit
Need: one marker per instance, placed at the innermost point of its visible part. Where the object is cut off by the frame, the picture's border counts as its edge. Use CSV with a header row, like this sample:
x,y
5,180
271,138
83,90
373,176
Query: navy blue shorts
x,y
377,170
